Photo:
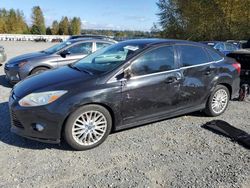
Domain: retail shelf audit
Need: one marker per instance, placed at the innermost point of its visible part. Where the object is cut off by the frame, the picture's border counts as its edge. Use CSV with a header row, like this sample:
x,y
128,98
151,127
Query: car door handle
x,y
208,72
171,79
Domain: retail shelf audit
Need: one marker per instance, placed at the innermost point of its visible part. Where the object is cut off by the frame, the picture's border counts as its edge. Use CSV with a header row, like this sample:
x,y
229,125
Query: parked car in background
x,y
56,40
3,55
61,54
239,43
104,37
223,47
125,85
243,57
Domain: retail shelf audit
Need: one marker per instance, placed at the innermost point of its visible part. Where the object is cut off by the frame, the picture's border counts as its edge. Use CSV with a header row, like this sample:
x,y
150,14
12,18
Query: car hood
x,y
26,57
58,79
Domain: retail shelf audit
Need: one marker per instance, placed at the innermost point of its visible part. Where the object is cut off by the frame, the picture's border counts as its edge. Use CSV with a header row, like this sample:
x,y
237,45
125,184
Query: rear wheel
x,y
218,101
38,70
87,127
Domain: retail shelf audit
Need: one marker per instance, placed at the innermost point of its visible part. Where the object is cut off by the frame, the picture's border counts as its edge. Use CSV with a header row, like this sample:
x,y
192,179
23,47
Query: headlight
x,y
22,63
39,99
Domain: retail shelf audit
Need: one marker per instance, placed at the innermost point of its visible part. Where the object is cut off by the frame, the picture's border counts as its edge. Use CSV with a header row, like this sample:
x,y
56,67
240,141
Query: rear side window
x,y
157,60
214,55
100,45
192,55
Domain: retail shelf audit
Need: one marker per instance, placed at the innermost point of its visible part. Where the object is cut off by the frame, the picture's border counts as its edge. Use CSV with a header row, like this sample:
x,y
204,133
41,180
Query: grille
x,y
15,121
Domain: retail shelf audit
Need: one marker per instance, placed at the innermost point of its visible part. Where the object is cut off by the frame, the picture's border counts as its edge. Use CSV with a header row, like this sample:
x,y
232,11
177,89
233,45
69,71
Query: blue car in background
x,y
223,47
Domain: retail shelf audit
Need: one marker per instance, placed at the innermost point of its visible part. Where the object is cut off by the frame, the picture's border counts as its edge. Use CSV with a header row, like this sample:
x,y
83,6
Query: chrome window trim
x,y
113,79
210,62
153,74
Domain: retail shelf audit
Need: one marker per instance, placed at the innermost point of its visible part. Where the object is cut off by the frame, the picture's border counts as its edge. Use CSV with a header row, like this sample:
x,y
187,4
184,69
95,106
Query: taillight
x,y
237,66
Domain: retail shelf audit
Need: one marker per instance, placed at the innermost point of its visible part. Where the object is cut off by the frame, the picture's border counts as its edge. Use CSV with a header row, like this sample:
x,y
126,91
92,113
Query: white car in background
x,y
3,56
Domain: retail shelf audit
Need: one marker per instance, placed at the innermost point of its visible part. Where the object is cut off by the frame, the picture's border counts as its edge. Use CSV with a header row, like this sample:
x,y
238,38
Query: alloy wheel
x,y
89,128
219,101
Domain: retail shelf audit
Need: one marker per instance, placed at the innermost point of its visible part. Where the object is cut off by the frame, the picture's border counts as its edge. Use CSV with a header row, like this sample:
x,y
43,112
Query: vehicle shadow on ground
x,y
4,82
14,140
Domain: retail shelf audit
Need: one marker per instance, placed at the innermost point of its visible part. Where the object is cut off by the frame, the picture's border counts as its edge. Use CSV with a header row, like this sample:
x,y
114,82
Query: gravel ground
x,y
171,153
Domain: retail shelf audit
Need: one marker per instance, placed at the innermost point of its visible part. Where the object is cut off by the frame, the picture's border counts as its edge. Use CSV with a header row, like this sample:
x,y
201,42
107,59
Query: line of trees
x,y
126,34
13,22
204,19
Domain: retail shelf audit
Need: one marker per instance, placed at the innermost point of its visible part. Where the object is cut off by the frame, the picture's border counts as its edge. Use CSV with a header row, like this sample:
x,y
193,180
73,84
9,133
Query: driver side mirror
x,y
126,74
65,53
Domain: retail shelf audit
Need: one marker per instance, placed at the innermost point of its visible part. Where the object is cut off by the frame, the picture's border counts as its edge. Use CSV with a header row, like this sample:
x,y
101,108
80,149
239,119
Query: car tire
x,y
38,70
87,127
218,101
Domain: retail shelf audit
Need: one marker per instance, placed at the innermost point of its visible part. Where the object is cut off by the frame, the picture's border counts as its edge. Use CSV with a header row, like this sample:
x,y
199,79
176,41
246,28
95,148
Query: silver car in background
x,y
61,54
3,56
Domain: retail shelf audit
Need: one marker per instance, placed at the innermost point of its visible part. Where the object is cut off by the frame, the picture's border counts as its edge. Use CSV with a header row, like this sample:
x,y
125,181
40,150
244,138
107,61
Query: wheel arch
x,y
39,66
228,86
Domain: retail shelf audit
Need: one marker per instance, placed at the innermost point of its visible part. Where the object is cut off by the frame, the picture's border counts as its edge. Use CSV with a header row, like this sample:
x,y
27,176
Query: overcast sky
x,y
95,14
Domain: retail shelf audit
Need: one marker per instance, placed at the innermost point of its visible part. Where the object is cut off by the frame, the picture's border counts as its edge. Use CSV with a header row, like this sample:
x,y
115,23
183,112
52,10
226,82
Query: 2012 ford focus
x,y
124,85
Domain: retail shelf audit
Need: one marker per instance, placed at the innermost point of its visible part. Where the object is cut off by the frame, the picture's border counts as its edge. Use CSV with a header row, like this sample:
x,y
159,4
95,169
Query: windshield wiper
x,y
81,70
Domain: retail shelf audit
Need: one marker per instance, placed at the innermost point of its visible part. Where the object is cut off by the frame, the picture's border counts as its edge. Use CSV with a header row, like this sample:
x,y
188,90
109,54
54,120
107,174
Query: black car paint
x,y
131,102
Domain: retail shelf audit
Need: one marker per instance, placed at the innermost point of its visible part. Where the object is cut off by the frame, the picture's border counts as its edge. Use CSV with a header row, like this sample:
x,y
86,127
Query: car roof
x,y
91,40
159,41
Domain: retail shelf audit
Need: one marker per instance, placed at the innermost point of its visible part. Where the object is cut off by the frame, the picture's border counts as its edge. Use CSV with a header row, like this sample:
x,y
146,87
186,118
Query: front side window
x,y
57,47
82,48
192,55
157,60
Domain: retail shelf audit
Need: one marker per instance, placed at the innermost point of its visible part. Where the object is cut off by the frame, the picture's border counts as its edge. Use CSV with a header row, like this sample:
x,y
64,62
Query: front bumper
x,y
24,119
12,74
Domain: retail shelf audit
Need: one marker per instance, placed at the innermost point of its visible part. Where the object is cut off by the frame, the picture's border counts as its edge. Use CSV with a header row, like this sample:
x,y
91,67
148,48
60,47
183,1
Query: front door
x,y
152,91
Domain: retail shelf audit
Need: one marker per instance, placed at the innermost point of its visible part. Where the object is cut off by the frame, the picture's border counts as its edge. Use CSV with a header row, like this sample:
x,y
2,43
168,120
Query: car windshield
x,y
57,47
108,58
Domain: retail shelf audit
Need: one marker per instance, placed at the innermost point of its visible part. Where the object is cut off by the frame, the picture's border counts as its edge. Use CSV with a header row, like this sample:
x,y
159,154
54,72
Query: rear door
x,y
153,89
76,52
198,72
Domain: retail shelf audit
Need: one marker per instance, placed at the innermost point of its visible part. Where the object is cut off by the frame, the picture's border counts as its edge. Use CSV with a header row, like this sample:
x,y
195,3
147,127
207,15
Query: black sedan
x,y
125,85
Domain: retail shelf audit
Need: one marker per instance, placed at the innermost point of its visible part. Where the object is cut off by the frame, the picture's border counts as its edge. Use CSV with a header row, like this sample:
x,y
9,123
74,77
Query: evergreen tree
x,y
75,26
55,28
48,31
38,23
64,26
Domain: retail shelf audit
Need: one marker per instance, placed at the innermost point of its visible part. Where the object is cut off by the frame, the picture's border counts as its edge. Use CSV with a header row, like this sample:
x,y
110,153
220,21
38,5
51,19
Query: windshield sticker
x,y
68,43
132,48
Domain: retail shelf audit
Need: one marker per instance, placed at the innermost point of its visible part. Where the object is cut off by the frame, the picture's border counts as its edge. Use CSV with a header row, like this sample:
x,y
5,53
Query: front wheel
x,y
87,127
218,101
38,70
